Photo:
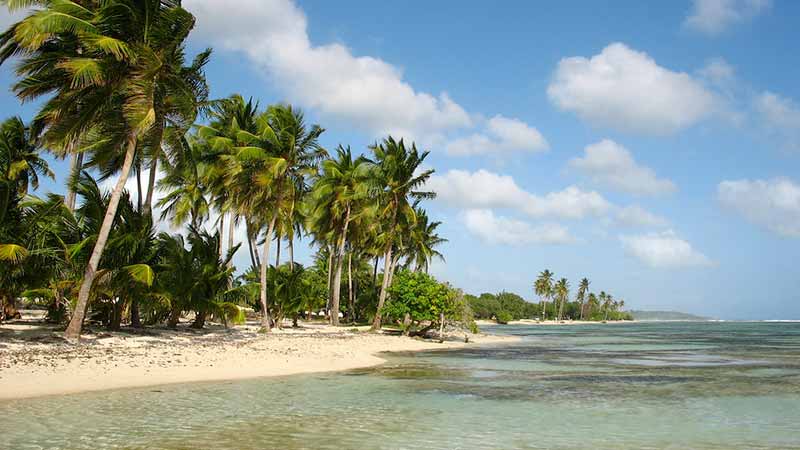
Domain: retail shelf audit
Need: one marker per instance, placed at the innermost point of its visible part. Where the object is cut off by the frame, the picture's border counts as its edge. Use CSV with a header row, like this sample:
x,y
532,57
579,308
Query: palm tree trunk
x,y
73,331
277,251
76,165
330,280
221,231
250,244
265,320
337,281
151,183
136,320
351,303
376,323
231,230
375,270
291,252
138,186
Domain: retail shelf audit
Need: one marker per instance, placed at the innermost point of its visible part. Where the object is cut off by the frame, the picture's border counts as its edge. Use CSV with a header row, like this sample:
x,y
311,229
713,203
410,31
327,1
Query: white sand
x,y
35,362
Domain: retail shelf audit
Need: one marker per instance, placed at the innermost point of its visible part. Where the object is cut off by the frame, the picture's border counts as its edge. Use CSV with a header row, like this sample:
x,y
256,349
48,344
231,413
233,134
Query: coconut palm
x,y
279,156
583,289
561,291
423,242
338,196
20,163
398,178
184,182
543,286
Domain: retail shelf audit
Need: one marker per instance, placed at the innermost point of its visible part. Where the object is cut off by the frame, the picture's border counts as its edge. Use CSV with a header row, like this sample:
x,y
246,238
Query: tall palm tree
x,y
338,197
583,289
398,180
544,289
561,291
280,155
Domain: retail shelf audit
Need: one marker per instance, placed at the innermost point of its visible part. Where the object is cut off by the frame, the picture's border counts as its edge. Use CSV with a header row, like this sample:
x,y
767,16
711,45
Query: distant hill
x,y
665,315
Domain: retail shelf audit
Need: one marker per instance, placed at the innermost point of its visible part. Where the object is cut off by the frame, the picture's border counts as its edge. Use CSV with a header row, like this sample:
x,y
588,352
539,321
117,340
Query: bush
x,y
503,317
421,298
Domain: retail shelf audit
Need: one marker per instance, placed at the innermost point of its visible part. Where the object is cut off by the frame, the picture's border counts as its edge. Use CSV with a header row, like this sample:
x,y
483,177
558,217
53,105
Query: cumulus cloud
x,y
484,189
772,204
502,135
663,250
612,165
492,229
712,17
627,90
363,91
781,116
636,216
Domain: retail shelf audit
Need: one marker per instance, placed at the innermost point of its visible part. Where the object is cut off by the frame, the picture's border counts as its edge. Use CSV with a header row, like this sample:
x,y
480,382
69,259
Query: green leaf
x,y
141,273
13,253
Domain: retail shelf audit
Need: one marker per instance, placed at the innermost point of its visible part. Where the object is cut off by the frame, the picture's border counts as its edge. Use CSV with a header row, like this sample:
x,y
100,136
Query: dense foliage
x,y
121,99
416,297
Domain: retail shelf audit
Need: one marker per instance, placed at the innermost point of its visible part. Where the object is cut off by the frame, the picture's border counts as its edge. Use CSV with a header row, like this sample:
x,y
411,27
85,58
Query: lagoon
x,y
637,385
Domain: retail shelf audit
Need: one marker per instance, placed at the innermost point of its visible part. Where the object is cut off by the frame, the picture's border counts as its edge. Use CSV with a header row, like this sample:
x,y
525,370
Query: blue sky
x,y
649,146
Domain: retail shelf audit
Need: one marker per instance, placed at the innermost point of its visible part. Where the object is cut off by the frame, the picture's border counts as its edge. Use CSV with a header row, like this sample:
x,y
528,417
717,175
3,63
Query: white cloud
x,y
502,135
612,165
484,189
712,17
503,230
363,91
626,90
719,72
773,204
663,250
636,216
780,115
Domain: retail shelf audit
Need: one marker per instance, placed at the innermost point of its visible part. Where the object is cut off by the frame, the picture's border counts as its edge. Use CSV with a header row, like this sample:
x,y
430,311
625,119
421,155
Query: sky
x,y
652,147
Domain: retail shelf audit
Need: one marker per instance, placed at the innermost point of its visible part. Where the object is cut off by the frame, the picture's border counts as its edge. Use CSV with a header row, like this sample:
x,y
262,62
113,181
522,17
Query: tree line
x,y
121,100
505,306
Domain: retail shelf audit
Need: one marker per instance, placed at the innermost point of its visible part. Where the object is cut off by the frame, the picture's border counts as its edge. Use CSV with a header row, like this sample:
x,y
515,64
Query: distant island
x,y
665,315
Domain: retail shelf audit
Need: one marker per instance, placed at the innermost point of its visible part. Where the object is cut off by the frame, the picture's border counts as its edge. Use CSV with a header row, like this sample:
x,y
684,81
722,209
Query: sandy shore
x,y
34,361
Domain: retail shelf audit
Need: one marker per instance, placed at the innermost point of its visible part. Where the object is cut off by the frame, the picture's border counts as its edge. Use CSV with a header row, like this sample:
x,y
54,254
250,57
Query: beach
x,y
35,361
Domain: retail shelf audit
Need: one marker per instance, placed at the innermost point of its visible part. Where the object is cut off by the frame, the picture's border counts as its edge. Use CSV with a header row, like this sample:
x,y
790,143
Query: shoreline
x,y
482,322
35,362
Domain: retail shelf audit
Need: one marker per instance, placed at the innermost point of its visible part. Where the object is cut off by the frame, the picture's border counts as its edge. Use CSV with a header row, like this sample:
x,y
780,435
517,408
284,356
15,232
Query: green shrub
x,y
503,317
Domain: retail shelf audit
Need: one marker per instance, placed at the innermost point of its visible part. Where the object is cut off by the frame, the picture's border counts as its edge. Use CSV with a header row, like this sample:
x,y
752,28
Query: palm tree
x,y
338,197
592,303
423,242
186,191
544,289
397,178
279,156
101,62
561,290
20,163
583,289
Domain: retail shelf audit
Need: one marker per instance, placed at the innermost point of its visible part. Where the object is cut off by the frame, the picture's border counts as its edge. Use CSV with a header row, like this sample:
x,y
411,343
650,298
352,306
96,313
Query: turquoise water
x,y
644,385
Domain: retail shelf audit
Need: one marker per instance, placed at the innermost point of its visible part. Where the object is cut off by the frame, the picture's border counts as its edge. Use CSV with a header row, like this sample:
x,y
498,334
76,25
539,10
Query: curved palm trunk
x,y
337,280
583,309
266,324
561,309
387,262
73,331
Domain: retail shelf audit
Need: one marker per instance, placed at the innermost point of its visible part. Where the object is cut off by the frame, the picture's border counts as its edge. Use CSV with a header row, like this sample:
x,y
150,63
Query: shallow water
x,y
644,385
